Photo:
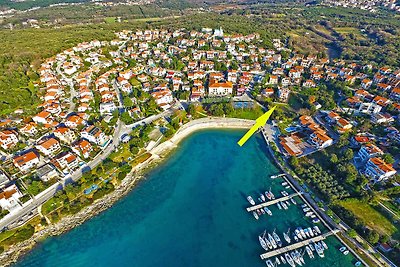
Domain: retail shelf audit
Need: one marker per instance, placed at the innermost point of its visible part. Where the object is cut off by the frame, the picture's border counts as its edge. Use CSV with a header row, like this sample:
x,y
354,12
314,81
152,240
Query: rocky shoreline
x,y
159,152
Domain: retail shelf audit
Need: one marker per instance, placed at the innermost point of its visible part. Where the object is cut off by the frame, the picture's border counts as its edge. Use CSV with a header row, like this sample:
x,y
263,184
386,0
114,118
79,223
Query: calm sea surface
x,y
189,211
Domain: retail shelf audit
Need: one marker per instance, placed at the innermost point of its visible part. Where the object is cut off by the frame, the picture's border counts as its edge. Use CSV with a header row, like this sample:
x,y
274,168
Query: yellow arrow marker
x,y
260,122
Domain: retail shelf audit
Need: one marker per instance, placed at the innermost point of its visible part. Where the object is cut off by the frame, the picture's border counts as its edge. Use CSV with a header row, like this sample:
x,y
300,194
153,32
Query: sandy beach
x,y
158,153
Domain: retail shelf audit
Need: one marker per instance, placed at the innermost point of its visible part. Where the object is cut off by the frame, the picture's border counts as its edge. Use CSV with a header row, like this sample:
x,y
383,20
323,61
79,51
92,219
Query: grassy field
x,y
123,154
369,216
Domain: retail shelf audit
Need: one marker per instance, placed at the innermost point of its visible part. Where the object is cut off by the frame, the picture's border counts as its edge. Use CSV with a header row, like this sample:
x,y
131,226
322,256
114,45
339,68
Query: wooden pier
x,y
271,202
297,245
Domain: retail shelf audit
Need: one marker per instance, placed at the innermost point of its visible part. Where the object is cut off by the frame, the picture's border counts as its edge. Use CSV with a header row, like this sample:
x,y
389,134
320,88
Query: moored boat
x,y
284,206
279,205
315,220
255,215
262,198
269,263
309,213
251,200
342,249
309,252
277,239
310,231
319,250
262,242
272,240
283,260
346,252
293,201
268,211
287,237
289,260
316,228
324,244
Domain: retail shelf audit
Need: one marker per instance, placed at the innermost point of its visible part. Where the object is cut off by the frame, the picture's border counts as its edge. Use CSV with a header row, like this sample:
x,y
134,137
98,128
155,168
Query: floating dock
x,y
297,245
271,202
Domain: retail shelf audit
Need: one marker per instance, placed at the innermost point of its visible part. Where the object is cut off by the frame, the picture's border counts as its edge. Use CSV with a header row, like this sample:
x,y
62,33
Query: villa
x,y
26,161
378,170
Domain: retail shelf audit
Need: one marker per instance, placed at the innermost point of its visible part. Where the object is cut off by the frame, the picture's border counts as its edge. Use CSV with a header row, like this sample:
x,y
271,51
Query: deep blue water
x,y
189,211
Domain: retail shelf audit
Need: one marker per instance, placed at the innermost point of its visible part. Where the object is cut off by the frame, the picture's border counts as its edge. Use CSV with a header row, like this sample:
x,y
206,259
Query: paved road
x,y
71,86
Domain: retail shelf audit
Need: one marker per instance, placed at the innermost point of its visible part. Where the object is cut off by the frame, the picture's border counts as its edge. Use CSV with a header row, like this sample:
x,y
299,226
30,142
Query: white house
x,y
49,146
8,139
26,161
9,198
94,135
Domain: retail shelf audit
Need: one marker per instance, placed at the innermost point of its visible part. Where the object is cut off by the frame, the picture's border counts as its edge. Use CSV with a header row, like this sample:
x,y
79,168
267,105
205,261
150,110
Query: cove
x,y
189,211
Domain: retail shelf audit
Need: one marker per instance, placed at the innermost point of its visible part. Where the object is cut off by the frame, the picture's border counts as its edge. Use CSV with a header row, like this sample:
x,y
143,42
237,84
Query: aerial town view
x,y
189,133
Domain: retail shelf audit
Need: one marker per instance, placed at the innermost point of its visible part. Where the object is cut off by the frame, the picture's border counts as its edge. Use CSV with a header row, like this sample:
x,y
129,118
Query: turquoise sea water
x,y
189,211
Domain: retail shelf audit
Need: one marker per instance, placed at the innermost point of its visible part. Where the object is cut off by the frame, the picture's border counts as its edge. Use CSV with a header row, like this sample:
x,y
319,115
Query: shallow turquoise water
x,y
190,211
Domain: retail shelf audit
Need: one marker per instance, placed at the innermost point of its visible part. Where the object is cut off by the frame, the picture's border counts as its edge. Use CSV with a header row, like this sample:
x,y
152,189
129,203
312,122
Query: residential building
x,y
82,147
220,89
94,135
9,198
65,134
49,146
368,151
8,139
378,170
26,160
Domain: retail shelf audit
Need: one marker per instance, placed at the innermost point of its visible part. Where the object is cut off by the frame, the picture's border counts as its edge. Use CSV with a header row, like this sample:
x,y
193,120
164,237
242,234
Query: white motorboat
x,y
268,211
255,215
287,237
324,244
279,205
251,200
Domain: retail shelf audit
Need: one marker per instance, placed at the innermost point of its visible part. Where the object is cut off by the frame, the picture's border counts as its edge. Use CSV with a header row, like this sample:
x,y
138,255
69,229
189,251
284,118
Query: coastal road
x,y
29,209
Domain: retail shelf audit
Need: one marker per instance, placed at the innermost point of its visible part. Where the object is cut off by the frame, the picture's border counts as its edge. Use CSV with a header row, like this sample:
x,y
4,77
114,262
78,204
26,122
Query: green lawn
x,y
123,154
110,20
369,216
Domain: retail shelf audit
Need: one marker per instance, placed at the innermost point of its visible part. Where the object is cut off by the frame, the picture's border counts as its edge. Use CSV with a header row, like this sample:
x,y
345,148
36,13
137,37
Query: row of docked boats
x,y
270,241
309,213
303,234
262,198
296,257
261,211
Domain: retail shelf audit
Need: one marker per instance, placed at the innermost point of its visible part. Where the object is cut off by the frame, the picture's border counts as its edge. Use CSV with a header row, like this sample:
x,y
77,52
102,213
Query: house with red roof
x,y
8,139
378,170
26,160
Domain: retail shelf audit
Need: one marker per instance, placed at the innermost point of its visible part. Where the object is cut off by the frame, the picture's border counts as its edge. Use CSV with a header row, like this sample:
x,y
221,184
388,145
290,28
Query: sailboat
x,y
262,241
262,198
277,239
298,234
283,260
285,207
272,240
303,234
269,263
319,250
324,244
296,258
287,237
278,262
272,195
309,252
289,260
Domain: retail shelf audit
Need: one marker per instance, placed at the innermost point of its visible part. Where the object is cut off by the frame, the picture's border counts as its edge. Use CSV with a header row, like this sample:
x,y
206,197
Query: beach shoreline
x,y
159,153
